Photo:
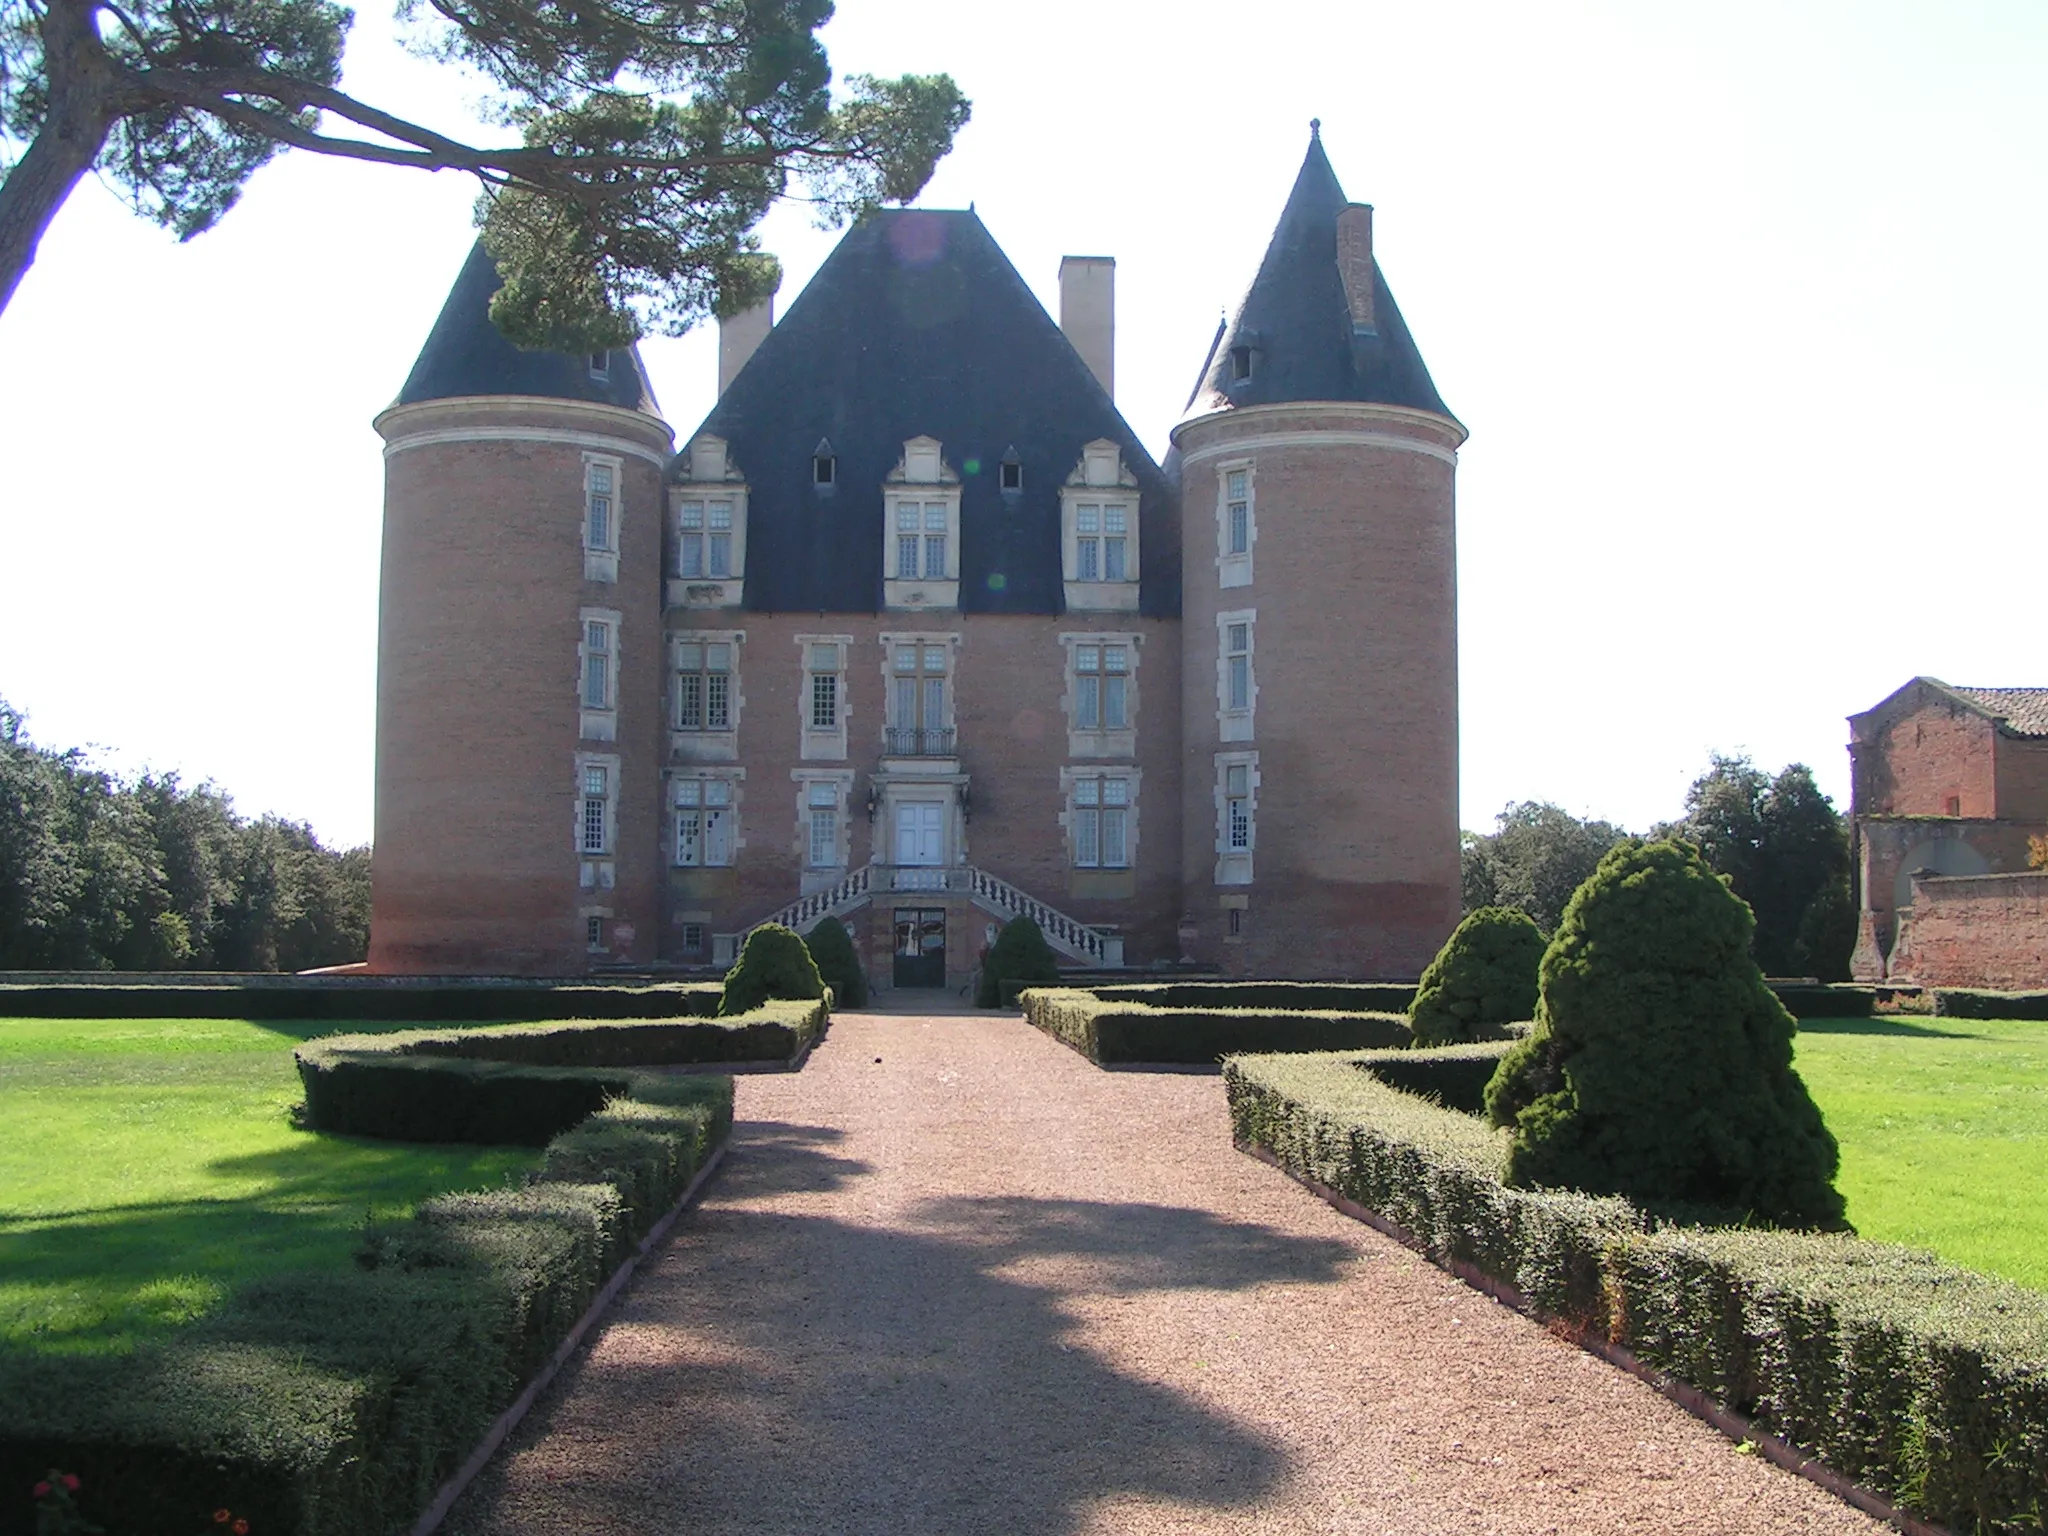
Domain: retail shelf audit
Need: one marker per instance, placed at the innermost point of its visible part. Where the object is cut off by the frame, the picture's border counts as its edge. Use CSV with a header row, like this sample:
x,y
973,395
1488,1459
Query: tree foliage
x,y
1484,976
772,963
1786,852
645,138
1019,953
101,874
838,963
1661,1064
1535,857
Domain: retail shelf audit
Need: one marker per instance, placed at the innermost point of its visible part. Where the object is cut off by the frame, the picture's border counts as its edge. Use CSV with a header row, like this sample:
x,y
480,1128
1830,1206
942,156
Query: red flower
x,y
41,1490
240,1528
71,1481
220,1517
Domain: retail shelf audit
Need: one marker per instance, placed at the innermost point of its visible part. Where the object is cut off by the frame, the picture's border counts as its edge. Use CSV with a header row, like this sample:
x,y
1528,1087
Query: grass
x,y
1944,1131
148,1165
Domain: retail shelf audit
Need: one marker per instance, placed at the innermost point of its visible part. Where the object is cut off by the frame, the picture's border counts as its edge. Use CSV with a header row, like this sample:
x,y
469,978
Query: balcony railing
x,y
907,741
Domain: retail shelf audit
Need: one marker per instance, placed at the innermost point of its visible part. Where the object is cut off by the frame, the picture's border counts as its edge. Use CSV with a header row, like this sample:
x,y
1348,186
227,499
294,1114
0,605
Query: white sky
x,y
1742,303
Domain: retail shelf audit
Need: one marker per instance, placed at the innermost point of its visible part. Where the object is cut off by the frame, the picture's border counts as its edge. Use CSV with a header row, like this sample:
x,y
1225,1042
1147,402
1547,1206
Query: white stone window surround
x,y
1235,723
1071,817
1103,482
604,510
596,855
817,742
701,742
924,481
925,641
1102,740
828,790
1234,567
599,720
1234,864
709,482
704,824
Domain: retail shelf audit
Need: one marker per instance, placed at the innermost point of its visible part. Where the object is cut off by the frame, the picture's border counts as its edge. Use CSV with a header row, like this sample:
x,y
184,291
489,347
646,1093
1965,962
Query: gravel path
x,y
952,1278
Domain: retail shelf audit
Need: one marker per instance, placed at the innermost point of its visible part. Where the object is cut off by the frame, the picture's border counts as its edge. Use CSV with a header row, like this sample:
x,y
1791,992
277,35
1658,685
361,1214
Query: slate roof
x,y
1298,321
2024,711
467,355
917,324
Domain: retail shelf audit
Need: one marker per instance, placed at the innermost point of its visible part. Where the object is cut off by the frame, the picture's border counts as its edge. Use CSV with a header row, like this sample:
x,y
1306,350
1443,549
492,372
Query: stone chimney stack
x,y
1088,313
738,337
1354,261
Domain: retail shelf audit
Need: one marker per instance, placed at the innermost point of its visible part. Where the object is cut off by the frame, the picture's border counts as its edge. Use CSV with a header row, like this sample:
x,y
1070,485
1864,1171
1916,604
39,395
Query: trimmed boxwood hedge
x,y
450,1002
1975,1003
1825,1000
1113,1031
1319,996
1923,1381
335,1404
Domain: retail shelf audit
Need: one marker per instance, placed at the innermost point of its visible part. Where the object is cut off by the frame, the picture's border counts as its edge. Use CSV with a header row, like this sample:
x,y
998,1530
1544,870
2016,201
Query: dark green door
x,y
920,947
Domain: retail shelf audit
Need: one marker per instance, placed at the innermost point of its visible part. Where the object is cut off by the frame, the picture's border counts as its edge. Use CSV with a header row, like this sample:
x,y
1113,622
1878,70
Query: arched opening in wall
x,y
1935,855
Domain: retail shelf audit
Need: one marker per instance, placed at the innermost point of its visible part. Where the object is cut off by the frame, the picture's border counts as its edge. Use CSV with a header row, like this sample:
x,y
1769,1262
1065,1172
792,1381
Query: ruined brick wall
x,y
1976,931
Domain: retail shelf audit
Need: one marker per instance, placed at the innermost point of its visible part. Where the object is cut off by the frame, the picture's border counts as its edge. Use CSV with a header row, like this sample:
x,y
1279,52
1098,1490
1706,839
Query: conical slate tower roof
x,y
1297,321
917,325
466,355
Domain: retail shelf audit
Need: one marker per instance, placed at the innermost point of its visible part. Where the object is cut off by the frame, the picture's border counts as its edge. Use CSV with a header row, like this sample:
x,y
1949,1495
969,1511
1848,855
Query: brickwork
x,y
1935,758
1976,931
1355,869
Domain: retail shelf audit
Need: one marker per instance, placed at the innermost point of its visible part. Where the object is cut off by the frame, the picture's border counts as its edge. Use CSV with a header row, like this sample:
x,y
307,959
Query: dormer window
x,y
921,560
600,365
1099,528
824,468
1012,472
1240,364
707,529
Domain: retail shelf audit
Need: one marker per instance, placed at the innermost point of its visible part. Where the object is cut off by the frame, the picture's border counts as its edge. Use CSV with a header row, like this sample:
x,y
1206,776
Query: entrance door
x,y
920,947
920,833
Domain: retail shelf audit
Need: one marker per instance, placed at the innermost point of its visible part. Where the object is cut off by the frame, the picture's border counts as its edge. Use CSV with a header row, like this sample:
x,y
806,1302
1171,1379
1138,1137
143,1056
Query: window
x,y
594,823
593,934
1237,664
1237,810
917,688
1236,922
693,938
704,540
921,540
1237,807
824,468
1013,475
597,665
1101,687
599,525
823,804
704,817
704,685
1100,542
1102,823
1238,512
600,365
1953,806
1237,523
824,687
1240,364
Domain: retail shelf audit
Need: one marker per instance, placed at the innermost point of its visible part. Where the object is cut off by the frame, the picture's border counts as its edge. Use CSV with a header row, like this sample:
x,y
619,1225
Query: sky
x,y
1741,303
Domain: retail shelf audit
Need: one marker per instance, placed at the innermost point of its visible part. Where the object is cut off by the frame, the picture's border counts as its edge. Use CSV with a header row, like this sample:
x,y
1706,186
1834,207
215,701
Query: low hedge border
x,y
1825,1000
341,999
339,1403
1291,996
1115,1032
1976,1003
1921,1381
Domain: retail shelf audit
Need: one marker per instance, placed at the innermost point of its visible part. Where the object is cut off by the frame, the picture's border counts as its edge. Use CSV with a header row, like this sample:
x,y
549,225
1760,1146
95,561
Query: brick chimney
x,y
1354,262
1088,313
739,336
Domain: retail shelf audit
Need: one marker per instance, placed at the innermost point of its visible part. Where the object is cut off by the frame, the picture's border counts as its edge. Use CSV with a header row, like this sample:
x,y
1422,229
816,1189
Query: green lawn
x,y
1944,1132
148,1164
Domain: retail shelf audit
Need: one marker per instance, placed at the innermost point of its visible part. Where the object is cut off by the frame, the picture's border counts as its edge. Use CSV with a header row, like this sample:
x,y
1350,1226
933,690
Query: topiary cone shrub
x,y
1661,1065
773,963
832,950
1019,953
1484,976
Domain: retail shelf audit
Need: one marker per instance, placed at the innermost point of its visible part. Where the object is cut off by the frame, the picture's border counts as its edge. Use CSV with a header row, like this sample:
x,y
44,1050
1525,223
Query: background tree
x,y
1785,851
1534,859
647,138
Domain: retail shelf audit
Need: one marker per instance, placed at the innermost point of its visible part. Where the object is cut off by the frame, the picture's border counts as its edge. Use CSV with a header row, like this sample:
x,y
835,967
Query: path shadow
x,y
781,1371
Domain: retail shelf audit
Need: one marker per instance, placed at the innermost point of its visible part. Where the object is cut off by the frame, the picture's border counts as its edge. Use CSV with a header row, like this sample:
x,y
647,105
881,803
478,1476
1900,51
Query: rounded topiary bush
x,y
1019,953
1661,1065
1483,977
831,948
773,963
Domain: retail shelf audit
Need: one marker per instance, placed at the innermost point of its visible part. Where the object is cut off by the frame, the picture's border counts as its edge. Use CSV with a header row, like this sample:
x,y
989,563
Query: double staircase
x,y
993,894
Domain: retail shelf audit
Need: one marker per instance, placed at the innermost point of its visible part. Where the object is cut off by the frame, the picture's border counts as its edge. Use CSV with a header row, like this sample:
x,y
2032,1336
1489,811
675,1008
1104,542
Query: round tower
x,y
518,655
1319,619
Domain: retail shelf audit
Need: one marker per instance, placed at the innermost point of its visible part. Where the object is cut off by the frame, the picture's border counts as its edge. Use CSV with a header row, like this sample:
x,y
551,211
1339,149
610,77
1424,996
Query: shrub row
x,y
1974,1003
523,1083
1825,1000
1923,1381
335,1404
1295,996
1117,1031
351,998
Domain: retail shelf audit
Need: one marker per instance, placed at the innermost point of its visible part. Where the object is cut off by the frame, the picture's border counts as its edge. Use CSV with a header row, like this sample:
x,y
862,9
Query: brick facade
x,y
1976,931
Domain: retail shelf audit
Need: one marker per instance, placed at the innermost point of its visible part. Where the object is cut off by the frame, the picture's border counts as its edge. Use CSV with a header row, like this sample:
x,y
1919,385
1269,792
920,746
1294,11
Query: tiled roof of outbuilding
x,y
1296,318
2023,710
466,356
917,324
